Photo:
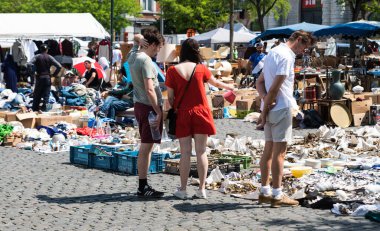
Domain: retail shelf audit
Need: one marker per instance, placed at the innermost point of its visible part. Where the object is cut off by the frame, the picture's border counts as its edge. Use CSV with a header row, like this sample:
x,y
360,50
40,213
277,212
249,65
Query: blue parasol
x,y
357,29
286,31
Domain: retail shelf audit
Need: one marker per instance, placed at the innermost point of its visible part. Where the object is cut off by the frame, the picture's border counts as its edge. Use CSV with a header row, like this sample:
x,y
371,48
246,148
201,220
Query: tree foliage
x,y
360,9
262,8
100,9
201,15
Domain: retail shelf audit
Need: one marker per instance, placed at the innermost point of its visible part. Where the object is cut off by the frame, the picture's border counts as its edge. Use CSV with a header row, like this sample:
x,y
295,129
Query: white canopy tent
x,y
239,27
49,25
221,35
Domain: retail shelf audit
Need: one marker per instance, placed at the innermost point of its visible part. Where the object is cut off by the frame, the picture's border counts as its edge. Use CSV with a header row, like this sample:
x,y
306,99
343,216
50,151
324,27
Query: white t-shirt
x,y
29,48
116,56
280,61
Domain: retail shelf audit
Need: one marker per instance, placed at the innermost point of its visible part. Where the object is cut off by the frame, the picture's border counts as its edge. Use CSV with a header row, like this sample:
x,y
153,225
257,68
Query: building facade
x,y
325,12
150,14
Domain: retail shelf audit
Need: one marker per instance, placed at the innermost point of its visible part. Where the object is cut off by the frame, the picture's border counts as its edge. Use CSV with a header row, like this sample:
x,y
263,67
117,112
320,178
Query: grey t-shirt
x,y
141,67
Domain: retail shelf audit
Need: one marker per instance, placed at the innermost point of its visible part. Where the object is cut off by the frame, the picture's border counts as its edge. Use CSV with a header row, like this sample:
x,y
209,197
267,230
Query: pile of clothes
x,y
78,95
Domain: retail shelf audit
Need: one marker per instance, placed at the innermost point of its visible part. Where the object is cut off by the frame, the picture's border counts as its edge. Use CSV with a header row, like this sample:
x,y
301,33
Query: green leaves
x,y
361,9
261,8
100,9
201,15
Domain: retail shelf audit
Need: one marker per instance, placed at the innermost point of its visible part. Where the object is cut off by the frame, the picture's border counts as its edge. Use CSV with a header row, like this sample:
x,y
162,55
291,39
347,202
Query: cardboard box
x,y
217,113
27,119
375,97
249,96
3,114
218,101
245,105
360,119
360,106
43,120
11,116
353,96
12,141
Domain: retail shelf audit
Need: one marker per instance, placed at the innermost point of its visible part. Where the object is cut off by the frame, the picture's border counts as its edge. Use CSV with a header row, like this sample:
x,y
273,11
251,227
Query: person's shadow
x,y
113,197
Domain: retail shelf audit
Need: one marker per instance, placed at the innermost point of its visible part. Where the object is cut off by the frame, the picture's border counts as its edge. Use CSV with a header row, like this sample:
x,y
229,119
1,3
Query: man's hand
x,y
139,39
104,94
272,105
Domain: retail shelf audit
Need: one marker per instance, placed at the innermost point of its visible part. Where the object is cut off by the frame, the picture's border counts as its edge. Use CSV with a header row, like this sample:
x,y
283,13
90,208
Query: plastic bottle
x,y
108,130
155,130
235,53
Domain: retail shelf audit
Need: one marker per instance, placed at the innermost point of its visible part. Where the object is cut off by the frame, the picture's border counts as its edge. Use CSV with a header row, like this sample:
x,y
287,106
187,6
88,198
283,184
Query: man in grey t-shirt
x,y
147,98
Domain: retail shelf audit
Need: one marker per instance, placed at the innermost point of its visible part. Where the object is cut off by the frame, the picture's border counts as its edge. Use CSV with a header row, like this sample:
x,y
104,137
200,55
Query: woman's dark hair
x,y
190,51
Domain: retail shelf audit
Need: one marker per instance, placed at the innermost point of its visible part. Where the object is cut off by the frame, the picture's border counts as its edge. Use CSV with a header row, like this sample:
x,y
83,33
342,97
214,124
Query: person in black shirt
x,y
91,76
42,63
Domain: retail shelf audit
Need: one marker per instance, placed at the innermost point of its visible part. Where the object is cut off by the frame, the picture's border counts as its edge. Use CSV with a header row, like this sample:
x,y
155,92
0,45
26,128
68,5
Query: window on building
x,y
147,5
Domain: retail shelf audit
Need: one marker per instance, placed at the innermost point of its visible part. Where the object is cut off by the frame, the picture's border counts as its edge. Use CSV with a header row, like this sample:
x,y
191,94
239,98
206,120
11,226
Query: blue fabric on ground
x,y
51,130
76,102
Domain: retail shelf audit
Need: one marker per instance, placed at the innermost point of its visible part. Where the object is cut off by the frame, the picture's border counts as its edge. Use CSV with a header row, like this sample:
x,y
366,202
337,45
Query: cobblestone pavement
x,y
45,192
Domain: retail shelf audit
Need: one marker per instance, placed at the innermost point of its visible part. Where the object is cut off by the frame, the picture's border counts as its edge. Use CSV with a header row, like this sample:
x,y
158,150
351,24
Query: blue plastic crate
x,y
127,162
106,162
80,154
104,149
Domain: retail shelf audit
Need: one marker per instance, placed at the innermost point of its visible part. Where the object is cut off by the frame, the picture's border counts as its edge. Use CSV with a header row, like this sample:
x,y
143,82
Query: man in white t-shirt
x,y
276,90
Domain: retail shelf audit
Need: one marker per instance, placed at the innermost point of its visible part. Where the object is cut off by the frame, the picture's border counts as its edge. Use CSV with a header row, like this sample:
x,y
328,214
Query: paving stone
x,y
43,192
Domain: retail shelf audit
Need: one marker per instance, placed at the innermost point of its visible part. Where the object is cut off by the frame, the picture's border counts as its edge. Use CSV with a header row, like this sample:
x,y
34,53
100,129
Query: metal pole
x,y
112,39
231,29
162,22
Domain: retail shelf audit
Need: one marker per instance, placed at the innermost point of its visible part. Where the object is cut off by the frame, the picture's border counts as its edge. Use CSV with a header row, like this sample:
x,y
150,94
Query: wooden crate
x,y
245,105
357,107
217,113
360,119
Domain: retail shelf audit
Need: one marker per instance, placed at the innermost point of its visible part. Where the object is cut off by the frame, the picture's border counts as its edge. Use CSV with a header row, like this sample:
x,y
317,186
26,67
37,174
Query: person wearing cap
x,y
43,62
255,59
116,55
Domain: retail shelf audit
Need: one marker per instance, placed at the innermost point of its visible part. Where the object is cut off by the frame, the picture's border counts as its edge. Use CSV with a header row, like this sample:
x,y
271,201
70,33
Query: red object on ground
x,y
86,131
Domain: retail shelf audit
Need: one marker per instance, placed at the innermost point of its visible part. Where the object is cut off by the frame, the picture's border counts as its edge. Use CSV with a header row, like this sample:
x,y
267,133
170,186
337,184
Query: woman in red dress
x,y
194,117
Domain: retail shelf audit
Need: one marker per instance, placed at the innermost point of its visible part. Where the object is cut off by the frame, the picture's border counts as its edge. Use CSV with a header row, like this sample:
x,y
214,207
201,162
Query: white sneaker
x,y
200,194
181,194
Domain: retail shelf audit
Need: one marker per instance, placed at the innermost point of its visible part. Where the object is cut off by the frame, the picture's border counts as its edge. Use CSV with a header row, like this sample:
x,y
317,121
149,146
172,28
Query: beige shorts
x,y
278,126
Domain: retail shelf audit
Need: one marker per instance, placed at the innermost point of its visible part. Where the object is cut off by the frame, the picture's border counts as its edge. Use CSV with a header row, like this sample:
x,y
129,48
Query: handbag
x,y
172,113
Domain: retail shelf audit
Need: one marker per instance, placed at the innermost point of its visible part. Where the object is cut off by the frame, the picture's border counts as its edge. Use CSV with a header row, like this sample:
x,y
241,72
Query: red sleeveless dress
x,y
194,115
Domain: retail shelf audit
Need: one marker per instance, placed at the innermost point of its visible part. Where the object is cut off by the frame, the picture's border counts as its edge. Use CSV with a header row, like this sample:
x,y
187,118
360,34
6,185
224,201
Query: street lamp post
x,y
112,38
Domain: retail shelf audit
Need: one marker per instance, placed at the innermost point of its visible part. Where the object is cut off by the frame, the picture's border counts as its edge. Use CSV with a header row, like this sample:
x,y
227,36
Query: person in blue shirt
x,y
255,59
119,99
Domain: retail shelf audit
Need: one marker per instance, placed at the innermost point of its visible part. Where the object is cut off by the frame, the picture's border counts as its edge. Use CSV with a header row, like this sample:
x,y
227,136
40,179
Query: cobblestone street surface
x,y
46,192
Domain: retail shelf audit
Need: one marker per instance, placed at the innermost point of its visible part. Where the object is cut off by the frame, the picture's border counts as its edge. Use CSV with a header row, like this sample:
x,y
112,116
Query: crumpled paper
x,y
215,176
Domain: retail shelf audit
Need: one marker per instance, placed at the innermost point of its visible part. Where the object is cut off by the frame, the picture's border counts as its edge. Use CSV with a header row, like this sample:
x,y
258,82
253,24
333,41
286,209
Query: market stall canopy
x,y
221,35
23,25
286,31
355,29
239,27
